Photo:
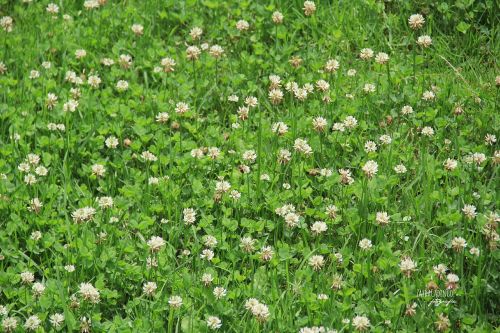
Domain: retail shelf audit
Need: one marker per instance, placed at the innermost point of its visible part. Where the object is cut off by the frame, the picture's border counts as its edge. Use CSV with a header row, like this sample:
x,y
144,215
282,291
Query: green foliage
x,y
119,186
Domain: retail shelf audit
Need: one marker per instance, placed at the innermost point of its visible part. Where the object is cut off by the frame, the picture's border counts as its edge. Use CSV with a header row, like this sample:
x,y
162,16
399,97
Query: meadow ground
x,y
249,166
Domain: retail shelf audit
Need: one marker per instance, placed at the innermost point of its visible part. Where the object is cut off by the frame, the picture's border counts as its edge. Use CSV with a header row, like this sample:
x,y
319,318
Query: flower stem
x,y
414,52
171,320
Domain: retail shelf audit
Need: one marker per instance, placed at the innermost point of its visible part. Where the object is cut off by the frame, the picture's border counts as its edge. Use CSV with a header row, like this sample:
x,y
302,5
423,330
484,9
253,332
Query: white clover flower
x,y
175,301
91,4
80,53
149,288
94,81
189,215
469,211
207,254
251,101
214,323
210,241
385,139
9,324
361,323
317,262
428,95
32,323
52,8
301,146
382,218
277,17
89,293
416,21
366,54
427,131
266,253
69,268
370,168
275,96
242,25
279,128
424,41
56,320
111,142
369,88
156,243
474,251
219,292
137,29
247,244
181,108
207,279
122,85
148,156
406,110
350,122
332,65
400,169
27,277
216,51
98,170
309,8
370,147
450,164
319,124
407,266
7,23
458,244
365,244
168,64
125,61
38,289
83,214
105,202
382,58
51,100
196,33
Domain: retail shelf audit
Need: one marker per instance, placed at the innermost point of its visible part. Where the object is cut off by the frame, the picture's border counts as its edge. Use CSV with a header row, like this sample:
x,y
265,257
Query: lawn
x,y
249,166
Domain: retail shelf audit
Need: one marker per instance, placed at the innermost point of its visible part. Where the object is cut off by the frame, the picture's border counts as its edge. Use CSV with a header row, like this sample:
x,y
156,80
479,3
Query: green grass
x,y
110,251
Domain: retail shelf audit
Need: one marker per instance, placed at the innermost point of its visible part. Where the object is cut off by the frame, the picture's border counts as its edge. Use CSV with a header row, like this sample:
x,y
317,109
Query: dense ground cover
x,y
245,166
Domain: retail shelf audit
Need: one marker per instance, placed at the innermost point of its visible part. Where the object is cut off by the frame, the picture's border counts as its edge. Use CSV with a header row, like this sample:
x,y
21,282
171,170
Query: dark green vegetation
x,y
315,277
